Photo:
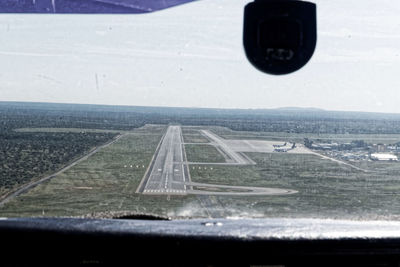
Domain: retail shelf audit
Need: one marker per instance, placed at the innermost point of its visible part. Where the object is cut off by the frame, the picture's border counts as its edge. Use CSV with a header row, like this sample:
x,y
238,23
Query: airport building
x,y
384,157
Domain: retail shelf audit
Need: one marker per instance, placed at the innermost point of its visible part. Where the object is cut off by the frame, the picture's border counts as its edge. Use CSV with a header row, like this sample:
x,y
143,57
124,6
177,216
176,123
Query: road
x,y
340,162
25,188
167,174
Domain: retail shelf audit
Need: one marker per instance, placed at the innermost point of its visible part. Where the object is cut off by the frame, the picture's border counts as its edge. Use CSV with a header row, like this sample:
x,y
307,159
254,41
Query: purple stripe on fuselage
x,y
87,6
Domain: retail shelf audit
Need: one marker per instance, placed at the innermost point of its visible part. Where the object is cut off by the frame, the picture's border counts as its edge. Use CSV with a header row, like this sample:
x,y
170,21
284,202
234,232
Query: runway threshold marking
x,y
159,180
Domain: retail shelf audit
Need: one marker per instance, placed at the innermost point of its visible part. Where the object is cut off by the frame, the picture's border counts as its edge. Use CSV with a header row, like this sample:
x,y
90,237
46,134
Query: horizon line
x,y
283,108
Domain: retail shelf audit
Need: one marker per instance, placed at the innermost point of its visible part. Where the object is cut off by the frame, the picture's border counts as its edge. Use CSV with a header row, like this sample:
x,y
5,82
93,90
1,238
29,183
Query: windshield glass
x,y
162,114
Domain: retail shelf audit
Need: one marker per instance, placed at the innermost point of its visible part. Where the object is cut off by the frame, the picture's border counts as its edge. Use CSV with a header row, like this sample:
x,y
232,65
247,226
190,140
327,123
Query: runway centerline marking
x,y
165,176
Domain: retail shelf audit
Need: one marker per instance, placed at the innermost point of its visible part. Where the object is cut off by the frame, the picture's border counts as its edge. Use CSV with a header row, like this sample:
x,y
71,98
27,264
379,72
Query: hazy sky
x,y
192,56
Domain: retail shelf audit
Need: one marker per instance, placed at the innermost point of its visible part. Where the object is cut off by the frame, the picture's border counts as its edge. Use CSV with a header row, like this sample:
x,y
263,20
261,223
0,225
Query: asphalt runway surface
x,y
167,175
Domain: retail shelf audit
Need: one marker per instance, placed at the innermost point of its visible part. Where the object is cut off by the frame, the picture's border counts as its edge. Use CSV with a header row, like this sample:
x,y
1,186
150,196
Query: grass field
x,y
100,183
193,135
203,153
326,189
279,136
65,130
107,182
29,156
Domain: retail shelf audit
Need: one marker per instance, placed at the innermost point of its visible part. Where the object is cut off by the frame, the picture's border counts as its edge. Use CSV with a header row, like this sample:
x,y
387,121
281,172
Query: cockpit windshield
x,y
162,114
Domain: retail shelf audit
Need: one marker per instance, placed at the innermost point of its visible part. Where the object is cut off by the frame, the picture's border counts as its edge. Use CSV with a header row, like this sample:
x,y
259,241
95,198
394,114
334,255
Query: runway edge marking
x,y
185,166
145,178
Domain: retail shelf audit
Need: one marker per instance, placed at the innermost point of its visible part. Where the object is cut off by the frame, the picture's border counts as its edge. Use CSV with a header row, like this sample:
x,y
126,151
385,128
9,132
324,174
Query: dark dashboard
x,y
225,242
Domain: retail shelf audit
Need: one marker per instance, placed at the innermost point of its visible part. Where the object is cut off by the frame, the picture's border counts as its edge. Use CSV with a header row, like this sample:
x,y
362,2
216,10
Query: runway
x,y
167,175
168,172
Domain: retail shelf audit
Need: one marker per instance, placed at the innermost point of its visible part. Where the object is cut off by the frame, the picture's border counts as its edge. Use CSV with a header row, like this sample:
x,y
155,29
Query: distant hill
x,y
284,112
299,109
15,115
